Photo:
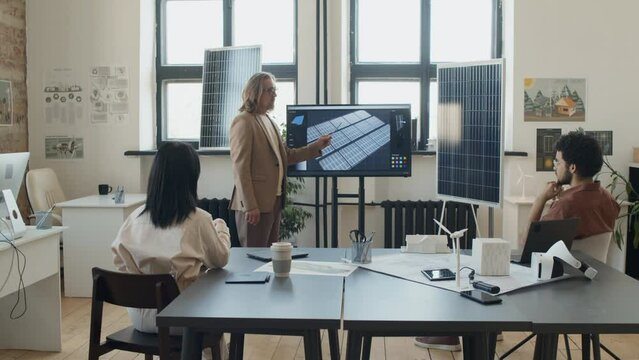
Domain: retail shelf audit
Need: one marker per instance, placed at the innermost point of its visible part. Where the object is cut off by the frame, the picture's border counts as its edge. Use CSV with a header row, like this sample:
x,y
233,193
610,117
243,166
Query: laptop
x,y
544,234
266,256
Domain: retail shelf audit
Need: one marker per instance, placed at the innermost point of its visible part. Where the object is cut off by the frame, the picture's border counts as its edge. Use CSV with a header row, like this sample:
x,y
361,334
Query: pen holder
x,y
361,252
119,197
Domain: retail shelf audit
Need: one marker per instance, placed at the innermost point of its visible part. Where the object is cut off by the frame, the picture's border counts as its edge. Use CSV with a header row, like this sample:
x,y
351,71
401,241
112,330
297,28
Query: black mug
x,y
104,189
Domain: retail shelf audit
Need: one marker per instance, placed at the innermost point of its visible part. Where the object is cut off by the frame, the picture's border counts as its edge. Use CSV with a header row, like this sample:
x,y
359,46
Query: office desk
x,y
607,304
376,304
39,327
93,223
300,304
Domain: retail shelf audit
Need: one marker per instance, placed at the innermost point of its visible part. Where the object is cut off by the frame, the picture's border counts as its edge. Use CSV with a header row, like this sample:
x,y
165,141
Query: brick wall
x,y
14,138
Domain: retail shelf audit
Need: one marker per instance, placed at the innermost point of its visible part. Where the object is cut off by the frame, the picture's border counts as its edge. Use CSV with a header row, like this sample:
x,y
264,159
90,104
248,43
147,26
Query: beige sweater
x,y
183,250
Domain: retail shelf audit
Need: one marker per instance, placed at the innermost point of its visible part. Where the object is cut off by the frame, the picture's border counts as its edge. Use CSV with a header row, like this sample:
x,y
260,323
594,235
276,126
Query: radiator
x,y
219,208
403,218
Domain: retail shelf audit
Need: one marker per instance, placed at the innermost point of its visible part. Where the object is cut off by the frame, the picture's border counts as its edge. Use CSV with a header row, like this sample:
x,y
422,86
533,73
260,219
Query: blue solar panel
x,y
224,74
469,137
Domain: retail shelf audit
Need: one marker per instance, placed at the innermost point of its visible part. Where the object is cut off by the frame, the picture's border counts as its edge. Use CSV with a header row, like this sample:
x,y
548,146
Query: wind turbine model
x,y
522,179
454,237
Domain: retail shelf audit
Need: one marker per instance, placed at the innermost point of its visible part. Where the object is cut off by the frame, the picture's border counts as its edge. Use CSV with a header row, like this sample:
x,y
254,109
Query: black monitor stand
x,y
360,209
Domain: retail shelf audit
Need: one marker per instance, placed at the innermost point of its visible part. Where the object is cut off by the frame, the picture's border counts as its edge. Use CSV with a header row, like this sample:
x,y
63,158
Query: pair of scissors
x,y
357,236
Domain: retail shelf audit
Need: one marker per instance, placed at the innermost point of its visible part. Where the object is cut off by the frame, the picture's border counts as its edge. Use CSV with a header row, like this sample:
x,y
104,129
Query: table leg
x,y
596,347
366,353
353,345
585,346
236,352
191,344
475,346
546,346
311,344
333,341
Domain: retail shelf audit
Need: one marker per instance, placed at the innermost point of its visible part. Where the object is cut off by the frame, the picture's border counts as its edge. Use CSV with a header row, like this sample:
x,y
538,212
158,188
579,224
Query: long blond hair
x,y
253,90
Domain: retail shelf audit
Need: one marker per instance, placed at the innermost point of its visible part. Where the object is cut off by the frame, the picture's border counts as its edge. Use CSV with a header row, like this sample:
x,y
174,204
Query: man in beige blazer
x,y
259,160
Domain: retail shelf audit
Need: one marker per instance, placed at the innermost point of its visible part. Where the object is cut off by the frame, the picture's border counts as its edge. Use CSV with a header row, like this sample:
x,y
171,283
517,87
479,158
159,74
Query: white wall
x,y
78,34
542,38
574,39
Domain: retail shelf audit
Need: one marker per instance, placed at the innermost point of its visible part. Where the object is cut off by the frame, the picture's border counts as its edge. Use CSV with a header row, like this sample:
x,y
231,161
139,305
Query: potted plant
x,y
293,217
621,188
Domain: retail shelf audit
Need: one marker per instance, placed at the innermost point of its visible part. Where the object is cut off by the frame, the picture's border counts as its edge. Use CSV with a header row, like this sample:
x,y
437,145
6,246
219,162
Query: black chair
x,y
219,208
134,291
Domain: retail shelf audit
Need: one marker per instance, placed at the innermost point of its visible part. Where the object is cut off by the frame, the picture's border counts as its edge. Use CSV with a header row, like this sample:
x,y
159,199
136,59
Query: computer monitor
x,y
12,169
367,140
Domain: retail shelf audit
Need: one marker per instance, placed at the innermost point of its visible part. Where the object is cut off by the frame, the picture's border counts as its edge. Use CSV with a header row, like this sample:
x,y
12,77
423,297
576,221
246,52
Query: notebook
x,y
266,256
544,234
248,278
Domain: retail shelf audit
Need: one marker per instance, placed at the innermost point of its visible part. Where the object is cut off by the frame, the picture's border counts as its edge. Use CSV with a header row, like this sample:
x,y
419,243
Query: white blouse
x,y
183,250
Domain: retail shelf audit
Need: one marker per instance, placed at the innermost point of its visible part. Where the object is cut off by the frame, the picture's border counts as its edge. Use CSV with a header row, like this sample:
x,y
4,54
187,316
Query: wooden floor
x,y
75,334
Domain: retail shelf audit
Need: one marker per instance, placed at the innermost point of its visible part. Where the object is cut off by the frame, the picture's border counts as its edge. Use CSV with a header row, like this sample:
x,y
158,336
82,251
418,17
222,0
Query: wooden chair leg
x,y
148,356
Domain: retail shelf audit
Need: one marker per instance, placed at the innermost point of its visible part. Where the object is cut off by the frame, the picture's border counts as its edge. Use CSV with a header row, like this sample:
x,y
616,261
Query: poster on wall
x,y
6,103
109,94
604,138
62,97
63,147
554,99
546,139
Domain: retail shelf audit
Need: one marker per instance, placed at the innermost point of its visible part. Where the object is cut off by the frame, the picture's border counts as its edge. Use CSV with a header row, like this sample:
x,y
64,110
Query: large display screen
x,y
367,140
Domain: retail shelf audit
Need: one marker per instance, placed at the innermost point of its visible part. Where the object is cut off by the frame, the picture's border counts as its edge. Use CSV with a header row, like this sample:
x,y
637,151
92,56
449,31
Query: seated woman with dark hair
x,y
170,234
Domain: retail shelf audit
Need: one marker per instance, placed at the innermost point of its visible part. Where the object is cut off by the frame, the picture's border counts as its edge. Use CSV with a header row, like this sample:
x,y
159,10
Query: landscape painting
x,y
554,99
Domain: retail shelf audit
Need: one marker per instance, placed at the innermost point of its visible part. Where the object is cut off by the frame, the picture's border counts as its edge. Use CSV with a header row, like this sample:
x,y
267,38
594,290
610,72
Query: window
x,y
396,45
187,27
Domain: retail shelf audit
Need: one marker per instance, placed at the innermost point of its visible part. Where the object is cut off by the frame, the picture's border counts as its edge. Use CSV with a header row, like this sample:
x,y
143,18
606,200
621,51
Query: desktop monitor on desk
x,y
12,169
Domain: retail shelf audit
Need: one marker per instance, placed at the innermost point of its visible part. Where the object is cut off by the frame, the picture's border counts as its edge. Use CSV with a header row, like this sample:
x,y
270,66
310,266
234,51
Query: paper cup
x,y
281,252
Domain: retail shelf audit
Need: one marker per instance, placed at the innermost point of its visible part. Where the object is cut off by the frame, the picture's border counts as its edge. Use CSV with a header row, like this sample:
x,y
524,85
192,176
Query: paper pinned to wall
x,y
109,94
6,103
62,97
63,147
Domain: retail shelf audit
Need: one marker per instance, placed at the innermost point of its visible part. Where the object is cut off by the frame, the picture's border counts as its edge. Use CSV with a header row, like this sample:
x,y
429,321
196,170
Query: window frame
x,y
424,71
193,73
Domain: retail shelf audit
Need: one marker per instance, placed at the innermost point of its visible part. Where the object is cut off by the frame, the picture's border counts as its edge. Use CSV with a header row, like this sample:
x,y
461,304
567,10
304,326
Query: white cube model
x,y
491,256
426,244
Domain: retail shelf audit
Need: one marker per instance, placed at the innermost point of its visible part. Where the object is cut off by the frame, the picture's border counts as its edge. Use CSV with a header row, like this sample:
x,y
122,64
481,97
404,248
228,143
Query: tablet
x,y
439,274
248,278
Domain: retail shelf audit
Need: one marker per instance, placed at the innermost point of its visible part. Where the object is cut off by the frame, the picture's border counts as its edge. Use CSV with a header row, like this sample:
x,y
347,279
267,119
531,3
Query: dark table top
x,y
377,301
374,301
606,304
294,303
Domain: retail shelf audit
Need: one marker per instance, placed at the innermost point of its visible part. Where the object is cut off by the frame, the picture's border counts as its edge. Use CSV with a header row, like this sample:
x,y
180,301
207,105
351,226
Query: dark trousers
x,y
266,232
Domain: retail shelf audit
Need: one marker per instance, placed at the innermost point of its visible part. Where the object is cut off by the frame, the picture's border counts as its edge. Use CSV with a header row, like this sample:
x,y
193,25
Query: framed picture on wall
x,y
6,103
546,139
554,99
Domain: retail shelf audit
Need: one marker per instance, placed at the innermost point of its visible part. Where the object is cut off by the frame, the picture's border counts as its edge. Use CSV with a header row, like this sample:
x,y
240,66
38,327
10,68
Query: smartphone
x,y
480,297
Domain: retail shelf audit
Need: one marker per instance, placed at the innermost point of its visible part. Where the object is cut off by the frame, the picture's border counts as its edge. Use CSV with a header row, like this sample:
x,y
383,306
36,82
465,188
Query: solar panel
x,y
224,74
469,136
353,139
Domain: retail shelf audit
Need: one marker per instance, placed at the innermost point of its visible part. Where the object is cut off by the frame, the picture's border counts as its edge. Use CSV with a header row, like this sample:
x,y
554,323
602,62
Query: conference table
x,y
376,304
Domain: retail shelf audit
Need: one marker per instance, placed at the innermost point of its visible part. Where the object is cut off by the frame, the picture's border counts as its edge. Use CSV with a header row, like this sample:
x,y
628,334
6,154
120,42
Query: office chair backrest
x,y
44,191
153,291
134,291
596,246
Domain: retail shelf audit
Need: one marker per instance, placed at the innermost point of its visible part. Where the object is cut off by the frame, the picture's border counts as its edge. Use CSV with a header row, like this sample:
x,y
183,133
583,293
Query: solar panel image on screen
x,y
224,74
367,140
469,136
